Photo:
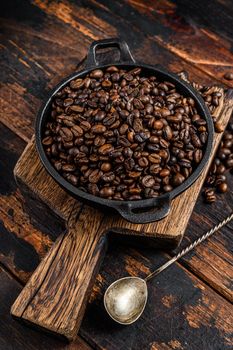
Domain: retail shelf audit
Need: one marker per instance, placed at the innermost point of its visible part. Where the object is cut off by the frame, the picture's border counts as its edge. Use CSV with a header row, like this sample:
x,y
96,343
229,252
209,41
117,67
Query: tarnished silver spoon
x,y
125,299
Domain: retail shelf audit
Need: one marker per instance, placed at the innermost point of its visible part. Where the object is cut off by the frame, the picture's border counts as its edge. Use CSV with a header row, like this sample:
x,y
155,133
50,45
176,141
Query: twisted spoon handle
x,y
190,247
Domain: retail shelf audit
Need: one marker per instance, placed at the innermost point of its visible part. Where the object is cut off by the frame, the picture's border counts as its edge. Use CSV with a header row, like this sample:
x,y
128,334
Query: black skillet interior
x,y
140,211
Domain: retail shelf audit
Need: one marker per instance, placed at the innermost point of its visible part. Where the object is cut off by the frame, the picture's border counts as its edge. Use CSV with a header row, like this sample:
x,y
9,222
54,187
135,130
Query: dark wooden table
x,y
41,42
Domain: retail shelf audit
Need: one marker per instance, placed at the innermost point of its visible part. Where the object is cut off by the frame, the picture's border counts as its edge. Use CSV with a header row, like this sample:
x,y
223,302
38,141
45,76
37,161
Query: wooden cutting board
x,y
55,297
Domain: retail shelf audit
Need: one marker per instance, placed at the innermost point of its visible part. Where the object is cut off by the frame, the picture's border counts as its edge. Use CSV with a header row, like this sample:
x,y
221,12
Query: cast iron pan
x,y
138,211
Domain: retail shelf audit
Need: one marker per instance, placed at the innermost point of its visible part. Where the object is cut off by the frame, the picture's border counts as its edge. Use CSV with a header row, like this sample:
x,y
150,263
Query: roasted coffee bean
x,y
209,196
167,188
220,169
154,158
108,177
129,163
197,155
123,129
222,187
100,116
99,141
222,162
95,176
158,125
112,69
106,149
106,192
68,167
223,153
73,179
105,167
106,83
97,74
164,173
134,174
76,84
121,135
218,127
98,129
175,118
148,181
77,131
143,162
178,179
168,133
229,163
109,120
78,109
228,76
163,143
85,125
66,134
196,141
93,189
47,141
185,163
154,139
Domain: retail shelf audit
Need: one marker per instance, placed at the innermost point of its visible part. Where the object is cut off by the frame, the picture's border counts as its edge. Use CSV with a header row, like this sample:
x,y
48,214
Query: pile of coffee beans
x,y
216,180
124,135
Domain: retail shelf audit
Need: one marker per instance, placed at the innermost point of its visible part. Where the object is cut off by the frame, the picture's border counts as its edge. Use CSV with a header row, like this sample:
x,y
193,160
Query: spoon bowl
x,y
125,299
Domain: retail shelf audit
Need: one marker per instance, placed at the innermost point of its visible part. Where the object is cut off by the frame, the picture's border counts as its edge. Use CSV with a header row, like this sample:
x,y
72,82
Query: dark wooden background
x,y
41,42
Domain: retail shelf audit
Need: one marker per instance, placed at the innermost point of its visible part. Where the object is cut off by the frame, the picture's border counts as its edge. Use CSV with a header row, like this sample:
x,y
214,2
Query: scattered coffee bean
x,y
218,127
209,196
222,187
228,76
216,180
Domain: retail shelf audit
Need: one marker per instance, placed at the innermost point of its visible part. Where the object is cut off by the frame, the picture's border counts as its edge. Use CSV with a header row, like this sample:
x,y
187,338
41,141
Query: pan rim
x,y
111,203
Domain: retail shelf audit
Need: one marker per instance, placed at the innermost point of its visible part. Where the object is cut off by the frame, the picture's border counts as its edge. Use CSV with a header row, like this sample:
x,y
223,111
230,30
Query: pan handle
x,y
136,212
121,45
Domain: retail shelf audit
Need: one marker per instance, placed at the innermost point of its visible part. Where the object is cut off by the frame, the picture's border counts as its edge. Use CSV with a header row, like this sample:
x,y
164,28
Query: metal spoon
x,y
125,299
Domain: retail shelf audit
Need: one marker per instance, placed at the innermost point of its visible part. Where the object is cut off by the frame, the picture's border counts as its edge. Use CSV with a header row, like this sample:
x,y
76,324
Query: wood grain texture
x,y
23,240
182,311
28,75
13,335
56,295
196,45
213,260
219,12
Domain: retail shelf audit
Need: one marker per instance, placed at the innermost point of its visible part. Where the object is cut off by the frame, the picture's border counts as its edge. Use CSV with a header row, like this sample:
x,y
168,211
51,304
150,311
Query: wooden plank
x,y
213,260
28,75
56,295
13,335
25,236
162,22
209,15
182,312
180,35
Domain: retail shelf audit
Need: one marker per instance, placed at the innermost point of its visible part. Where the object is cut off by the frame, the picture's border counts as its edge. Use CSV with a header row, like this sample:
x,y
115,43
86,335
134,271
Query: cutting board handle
x,y
56,295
